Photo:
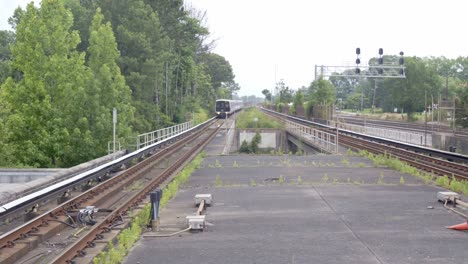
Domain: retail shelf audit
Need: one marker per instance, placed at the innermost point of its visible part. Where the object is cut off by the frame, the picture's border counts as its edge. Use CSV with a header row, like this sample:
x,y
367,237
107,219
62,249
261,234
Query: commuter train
x,y
225,107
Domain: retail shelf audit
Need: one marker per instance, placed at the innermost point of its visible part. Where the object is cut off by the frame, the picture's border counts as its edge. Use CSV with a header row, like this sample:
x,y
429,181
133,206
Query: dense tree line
x,y
68,63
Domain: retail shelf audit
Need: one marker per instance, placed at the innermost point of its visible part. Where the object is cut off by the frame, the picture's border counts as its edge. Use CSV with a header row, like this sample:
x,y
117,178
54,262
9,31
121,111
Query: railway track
x,y
407,126
427,161
111,200
429,164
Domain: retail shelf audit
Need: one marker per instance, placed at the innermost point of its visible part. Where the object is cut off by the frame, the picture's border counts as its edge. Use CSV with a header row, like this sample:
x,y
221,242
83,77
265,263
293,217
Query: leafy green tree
x,y
107,88
267,94
218,68
83,12
345,86
285,94
45,104
354,101
322,92
298,100
144,60
409,94
7,38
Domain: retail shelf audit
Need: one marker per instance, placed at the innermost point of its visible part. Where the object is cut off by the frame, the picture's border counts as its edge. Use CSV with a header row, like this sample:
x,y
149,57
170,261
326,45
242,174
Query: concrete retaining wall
x,y
445,141
271,138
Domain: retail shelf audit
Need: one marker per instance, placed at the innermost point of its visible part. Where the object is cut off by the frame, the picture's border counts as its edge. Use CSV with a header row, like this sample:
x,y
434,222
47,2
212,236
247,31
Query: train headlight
x,y
218,113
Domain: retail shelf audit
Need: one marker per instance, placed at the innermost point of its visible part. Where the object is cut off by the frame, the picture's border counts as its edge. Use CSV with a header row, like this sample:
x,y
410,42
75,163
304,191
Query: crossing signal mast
x,y
379,70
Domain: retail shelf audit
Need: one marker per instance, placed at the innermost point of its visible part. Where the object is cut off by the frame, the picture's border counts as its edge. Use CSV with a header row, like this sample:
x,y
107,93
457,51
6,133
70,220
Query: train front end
x,y
223,108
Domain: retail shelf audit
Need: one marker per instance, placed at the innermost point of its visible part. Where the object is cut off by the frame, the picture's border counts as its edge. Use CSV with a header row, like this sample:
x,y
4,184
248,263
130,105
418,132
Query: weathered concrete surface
x,y
340,210
12,191
24,175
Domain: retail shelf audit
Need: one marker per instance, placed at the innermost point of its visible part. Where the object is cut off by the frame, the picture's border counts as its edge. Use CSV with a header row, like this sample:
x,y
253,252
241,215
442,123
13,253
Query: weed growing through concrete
x,y
210,166
349,180
299,179
349,152
398,165
458,186
325,178
217,164
345,162
361,165
235,165
253,183
402,180
380,179
281,179
279,152
218,181
443,181
335,181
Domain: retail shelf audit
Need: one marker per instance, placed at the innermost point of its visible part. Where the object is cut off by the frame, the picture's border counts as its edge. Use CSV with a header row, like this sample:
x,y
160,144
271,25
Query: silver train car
x,y
225,107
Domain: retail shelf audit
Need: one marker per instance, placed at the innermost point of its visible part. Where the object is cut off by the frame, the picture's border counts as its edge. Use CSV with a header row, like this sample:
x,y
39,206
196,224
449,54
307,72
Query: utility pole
x,y
454,119
425,118
373,99
432,113
167,82
114,121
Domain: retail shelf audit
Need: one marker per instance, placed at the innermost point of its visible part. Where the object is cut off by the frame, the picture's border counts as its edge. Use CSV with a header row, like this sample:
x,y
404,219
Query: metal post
x,y
336,150
316,72
454,118
425,118
114,121
155,197
432,114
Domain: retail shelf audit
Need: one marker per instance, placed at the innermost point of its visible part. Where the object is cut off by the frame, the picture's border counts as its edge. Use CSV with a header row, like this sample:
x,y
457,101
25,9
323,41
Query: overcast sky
x,y
259,36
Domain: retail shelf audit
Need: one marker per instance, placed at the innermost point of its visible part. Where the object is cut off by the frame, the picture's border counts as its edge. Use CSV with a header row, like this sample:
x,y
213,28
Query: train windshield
x,y
222,106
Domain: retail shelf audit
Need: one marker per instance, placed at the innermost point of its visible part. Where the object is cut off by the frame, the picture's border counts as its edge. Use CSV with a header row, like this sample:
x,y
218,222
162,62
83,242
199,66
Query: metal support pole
x,y
425,118
114,121
155,197
336,142
454,118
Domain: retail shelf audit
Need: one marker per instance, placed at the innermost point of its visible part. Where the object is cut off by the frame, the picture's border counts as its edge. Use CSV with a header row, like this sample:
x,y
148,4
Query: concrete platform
x,y
308,209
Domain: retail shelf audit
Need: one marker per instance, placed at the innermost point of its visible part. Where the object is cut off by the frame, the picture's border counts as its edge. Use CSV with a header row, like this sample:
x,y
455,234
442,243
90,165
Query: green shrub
x,y
256,140
244,148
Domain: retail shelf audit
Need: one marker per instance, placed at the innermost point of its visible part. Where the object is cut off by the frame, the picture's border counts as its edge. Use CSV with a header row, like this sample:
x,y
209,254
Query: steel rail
x,y
99,229
416,160
8,239
459,158
65,184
